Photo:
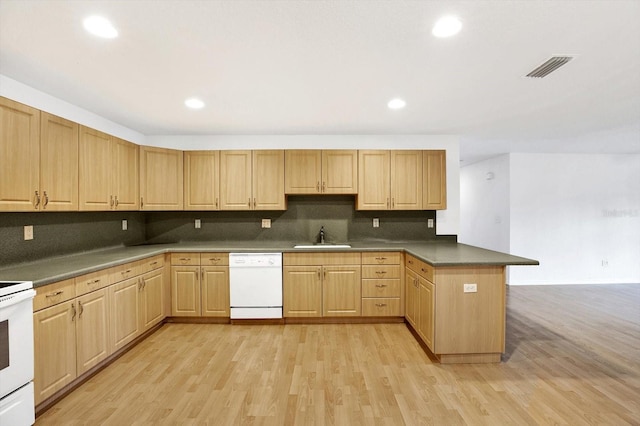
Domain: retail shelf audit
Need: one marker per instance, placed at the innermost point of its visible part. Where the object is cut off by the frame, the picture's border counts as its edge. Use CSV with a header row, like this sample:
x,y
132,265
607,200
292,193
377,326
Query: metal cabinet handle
x,y
93,282
381,285
381,305
393,203
388,204
381,272
111,200
185,259
381,258
54,294
154,263
144,283
324,186
318,186
254,203
140,284
318,273
126,272
249,203
37,200
73,312
410,262
116,198
216,203
46,200
81,309
141,202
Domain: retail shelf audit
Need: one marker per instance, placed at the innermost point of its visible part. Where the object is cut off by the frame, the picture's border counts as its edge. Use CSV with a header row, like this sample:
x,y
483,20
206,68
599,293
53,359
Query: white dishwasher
x,y
255,285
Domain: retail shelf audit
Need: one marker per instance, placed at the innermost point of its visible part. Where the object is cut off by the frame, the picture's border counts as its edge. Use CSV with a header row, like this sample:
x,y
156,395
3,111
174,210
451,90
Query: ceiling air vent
x,y
549,66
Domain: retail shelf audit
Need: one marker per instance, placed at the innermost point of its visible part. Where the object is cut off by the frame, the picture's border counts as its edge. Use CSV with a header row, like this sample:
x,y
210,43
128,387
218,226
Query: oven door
x,y
16,341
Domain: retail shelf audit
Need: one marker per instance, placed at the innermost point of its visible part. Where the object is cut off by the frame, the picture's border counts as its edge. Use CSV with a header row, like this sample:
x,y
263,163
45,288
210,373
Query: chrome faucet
x,y
322,235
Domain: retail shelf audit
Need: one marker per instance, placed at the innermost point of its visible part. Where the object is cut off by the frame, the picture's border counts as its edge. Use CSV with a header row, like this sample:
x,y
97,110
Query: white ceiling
x,y
329,67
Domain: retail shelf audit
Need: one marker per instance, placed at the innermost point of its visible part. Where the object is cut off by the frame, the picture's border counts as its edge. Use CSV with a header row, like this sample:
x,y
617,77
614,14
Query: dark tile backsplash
x,y
58,234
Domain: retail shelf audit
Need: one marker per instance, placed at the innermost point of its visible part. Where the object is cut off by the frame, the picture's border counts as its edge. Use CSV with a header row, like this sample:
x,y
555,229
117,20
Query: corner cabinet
x,y
252,180
161,179
321,171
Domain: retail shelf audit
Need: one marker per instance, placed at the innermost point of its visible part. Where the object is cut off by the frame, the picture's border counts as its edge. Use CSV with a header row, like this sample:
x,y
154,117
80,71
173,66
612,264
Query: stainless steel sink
x,y
322,246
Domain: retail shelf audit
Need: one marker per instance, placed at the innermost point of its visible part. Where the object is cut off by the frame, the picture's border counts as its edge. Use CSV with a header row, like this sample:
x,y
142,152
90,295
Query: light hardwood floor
x,y
572,357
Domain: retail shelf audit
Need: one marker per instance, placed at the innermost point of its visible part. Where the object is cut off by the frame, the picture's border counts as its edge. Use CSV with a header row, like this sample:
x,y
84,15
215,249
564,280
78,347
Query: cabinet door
x,y
185,291
302,291
54,332
341,291
92,330
95,170
201,180
373,180
406,180
58,163
411,297
215,291
235,180
19,156
303,171
161,179
434,194
268,180
125,312
426,298
126,185
340,171
151,299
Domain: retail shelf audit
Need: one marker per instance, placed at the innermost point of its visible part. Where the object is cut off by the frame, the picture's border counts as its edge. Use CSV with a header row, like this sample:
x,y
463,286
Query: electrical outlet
x,y
266,223
429,223
471,288
376,222
125,226
28,232
198,224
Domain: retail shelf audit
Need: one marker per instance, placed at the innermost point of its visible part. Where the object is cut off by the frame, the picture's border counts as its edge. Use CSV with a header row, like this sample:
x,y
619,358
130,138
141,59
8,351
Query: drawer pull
x,y
381,285
381,259
381,272
214,259
185,259
126,272
423,270
410,262
153,263
54,294
93,282
381,305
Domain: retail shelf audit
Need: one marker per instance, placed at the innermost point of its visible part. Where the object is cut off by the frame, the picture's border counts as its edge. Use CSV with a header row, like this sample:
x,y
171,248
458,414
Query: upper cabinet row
x,y
52,164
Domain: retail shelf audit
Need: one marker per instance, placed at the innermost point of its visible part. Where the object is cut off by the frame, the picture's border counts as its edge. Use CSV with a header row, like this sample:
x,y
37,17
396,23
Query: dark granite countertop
x,y
436,253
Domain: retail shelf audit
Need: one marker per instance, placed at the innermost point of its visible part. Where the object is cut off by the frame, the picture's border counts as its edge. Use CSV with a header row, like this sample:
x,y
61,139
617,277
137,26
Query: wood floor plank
x,y
572,357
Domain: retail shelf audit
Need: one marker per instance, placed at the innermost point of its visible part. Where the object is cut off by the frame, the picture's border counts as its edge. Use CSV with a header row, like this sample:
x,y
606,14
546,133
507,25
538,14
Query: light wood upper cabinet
x,y
19,157
96,170
201,180
58,163
435,180
161,179
395,180
321,171
126,174
252,180
374,175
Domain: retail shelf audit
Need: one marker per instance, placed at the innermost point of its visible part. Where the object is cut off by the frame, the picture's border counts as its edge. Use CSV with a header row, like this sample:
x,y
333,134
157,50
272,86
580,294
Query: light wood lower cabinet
x,y
54,332
92,330
382,292
426,302
322,284
200,291
79,323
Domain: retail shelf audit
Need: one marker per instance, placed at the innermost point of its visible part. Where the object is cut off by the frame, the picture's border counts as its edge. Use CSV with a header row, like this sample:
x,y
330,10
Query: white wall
x,y
484,204
20,92
578,214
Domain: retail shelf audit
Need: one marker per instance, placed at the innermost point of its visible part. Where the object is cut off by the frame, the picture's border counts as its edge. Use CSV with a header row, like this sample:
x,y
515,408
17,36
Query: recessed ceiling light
x,y
99,26
446,27
396,103
194,103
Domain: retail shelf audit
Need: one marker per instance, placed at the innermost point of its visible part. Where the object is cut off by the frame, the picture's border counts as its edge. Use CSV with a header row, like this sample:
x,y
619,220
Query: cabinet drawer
x,y
380,288
214,259
152,263
381,307
126,271
178,259
323,258
55,293
421,268
93,281
381,271
381,258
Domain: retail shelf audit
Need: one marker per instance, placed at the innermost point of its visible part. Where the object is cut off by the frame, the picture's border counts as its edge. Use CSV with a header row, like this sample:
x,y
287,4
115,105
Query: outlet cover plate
x,y
471,288
198,223
266,223
28,232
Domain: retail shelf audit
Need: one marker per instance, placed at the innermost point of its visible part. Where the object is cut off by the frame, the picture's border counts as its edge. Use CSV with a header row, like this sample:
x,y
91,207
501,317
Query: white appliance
x,y
255,283
16,353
